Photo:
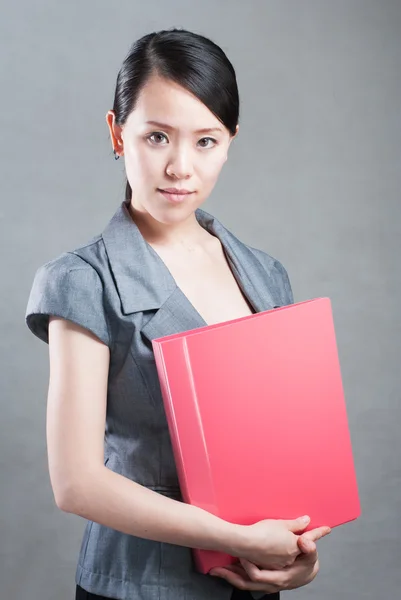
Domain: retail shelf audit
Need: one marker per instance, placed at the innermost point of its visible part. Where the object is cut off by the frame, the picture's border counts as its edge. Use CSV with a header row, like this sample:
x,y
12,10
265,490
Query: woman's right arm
x,y
76,413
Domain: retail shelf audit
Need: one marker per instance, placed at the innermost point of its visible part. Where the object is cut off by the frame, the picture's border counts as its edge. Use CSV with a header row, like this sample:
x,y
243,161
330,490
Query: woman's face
x,y
170,141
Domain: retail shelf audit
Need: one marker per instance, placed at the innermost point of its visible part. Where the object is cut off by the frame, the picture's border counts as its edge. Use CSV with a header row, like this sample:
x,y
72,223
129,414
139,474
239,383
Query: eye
x,y
157,137
204,142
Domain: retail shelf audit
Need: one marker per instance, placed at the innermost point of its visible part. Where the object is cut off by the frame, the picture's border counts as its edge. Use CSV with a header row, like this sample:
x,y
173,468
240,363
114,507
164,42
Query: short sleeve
x,y
278,275
286,285
70,288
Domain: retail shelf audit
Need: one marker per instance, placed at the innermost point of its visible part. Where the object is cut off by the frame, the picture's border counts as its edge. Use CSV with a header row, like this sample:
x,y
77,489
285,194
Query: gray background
x,y
313,178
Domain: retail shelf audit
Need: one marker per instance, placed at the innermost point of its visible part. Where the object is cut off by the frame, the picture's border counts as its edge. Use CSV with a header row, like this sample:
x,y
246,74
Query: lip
x,y
177,191
175,195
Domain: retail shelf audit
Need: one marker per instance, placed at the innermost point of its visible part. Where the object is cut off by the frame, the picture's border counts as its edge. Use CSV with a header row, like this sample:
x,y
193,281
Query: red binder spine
x,y
185,417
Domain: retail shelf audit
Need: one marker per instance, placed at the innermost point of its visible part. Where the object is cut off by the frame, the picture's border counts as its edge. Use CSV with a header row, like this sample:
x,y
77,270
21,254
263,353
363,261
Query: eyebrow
x,y
165,126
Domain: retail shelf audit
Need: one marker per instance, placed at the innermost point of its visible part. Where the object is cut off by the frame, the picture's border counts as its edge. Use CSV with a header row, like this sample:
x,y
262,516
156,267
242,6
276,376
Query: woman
x,y
162,265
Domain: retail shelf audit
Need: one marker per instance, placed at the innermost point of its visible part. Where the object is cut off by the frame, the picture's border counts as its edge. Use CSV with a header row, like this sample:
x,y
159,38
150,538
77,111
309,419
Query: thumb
x,y
299,524
306,545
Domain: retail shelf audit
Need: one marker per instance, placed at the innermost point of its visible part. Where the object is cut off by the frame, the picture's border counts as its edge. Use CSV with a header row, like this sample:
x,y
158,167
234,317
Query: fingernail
x,y
305,519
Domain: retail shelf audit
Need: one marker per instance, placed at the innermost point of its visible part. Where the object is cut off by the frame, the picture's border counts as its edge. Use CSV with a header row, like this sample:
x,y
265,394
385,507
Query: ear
x,y
231,139
115,133
234,135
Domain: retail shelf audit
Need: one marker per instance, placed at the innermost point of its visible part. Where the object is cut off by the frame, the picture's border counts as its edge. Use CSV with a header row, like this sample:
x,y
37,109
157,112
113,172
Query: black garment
x,y
82,594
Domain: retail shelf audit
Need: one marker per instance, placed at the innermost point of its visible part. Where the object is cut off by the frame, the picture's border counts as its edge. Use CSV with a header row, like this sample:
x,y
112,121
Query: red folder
x,y
257,418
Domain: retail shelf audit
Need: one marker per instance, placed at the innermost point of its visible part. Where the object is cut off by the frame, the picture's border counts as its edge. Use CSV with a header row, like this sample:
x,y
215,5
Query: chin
x,y
173,214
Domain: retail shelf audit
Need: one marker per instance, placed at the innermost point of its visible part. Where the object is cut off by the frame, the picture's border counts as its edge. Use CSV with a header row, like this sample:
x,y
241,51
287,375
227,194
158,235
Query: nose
x,y
180,164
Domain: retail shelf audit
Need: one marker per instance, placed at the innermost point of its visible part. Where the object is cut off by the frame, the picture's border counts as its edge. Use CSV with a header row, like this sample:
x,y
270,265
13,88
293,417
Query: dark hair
x,y
189,59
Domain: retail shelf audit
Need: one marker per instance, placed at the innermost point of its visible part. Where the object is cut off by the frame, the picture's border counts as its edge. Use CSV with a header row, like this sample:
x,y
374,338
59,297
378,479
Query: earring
x,y
116,156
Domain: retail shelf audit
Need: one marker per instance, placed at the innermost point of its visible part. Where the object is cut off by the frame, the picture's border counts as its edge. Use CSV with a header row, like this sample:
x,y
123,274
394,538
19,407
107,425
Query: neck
x,y
185,233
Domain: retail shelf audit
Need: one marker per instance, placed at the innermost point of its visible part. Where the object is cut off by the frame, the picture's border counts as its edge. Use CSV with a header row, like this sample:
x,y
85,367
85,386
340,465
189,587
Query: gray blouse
x,y
117,287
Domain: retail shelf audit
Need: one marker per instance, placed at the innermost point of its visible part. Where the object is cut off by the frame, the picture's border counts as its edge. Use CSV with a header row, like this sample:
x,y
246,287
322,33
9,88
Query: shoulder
x,y
276,274
71,287
276,271
269,262
85,258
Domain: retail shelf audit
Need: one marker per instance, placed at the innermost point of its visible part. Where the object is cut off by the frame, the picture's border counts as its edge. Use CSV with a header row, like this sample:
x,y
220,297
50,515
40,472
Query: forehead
x,y
167,102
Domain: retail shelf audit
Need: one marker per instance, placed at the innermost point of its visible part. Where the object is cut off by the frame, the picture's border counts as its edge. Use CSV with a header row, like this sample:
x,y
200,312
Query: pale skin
x,y
176,156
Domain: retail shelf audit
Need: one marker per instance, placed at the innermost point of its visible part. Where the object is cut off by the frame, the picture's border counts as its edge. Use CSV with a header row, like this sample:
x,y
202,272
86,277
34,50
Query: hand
x,y
307,541
247,576
273,544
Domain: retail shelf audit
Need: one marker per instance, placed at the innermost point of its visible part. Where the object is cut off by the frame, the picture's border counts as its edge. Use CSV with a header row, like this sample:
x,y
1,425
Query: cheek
x,y
212,167
141,164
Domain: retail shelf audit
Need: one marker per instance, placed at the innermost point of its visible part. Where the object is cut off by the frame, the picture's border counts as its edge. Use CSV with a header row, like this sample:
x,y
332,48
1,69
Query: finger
x,y
272,566
258,574
267,579
251,569
316,534
311,573
306,545
238,569
234,567
308,557
296,525
237,580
